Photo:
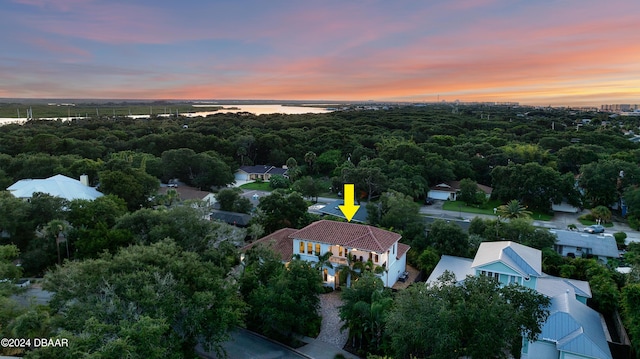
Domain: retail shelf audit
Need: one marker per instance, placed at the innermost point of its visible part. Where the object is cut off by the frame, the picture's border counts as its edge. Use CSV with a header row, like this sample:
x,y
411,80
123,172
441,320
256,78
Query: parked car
x,y
596,228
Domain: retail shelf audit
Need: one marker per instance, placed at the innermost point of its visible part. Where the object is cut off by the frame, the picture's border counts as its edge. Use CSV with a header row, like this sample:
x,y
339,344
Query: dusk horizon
x,y
576,53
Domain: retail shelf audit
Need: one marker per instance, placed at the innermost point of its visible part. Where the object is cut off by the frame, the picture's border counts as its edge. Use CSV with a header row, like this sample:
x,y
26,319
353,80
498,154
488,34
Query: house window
x,y
340,251
301,247
375,257
370,256
325,274
317,249
309,248
491,274
394,249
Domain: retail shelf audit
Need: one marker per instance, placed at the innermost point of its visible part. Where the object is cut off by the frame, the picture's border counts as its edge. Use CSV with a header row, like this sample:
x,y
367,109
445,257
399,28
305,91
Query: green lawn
x,y
324,183
258,186
487,208
462,207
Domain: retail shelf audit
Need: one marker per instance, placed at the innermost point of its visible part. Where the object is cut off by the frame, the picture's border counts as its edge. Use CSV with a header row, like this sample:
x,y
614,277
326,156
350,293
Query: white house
x,y
57,186
259,172
347,242
573,330
448,191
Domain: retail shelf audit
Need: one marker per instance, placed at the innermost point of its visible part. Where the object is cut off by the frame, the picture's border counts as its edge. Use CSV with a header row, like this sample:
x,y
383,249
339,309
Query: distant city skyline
x,y
558,53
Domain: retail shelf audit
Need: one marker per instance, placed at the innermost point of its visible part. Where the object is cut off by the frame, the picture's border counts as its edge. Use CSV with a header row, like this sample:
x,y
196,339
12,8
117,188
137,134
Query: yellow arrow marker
x,y
349,209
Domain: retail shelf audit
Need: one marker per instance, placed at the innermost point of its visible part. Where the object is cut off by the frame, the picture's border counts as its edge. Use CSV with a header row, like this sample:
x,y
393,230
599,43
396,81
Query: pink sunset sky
x,y
542,52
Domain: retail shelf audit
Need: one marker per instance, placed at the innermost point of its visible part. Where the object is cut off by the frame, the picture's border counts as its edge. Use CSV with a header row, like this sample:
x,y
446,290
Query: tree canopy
x,y
148,301
475,317
280,209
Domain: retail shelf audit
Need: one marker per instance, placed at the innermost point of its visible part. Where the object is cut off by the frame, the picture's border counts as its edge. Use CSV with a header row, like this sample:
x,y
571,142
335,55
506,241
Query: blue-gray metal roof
x,y
552,286
575,328
332,209
604,246
523,259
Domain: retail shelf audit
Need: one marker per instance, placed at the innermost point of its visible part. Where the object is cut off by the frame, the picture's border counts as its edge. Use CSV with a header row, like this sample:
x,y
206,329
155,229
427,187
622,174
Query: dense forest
x,y
537,156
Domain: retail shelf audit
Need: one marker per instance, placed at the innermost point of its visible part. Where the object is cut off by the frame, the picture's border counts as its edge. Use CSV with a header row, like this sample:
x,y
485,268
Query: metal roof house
x,y
509,262
601,247
347,242
57,186
573,330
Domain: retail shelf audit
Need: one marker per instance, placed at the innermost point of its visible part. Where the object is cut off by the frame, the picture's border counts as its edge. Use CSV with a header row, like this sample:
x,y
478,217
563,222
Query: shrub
x,y
587,217
634,222
620,237
327,289
279,181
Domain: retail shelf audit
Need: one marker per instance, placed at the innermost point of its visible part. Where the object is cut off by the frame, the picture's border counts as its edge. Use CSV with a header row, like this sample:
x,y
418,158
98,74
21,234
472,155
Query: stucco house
x,y
573,330
347,242
57,186
448,191
258,172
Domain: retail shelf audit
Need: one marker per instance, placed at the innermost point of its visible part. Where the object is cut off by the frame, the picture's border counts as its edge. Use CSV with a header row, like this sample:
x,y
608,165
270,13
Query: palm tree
x,y
602,214
310,158
370,267
374,322
57,229
353,268
323,261
513,209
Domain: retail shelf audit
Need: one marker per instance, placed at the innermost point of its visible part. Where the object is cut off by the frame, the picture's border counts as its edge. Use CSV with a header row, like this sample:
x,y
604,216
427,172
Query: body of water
x,y
260,109
254,109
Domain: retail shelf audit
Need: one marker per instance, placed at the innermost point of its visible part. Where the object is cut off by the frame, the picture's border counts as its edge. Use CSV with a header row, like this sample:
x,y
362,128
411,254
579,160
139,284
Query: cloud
x,y
472,49
65,52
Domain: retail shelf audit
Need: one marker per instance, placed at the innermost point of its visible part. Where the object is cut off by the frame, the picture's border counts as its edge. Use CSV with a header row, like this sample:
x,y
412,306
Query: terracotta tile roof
x,y
402,249
349,235
279,241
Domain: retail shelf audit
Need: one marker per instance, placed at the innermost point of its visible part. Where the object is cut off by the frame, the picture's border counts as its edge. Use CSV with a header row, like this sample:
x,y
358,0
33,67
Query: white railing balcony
x,y
338,260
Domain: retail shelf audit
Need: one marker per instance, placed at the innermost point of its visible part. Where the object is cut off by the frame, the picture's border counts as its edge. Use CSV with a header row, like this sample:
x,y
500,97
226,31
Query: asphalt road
x,y
559,221
246,345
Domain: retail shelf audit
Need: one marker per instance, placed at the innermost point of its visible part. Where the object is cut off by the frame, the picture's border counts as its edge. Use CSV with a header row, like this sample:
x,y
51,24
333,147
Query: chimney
x,y
84,179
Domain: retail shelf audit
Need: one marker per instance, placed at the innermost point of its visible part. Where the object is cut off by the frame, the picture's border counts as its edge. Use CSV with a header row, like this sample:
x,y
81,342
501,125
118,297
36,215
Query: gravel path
x,y
331,323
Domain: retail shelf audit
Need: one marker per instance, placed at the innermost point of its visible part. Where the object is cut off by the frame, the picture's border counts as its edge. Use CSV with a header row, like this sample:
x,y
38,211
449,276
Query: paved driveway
x,y
247,345
330,341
